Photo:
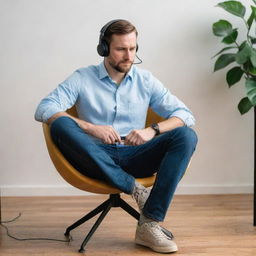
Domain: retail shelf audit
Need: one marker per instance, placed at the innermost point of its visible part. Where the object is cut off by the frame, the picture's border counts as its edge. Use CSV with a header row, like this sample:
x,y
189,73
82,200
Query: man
x,y
108,141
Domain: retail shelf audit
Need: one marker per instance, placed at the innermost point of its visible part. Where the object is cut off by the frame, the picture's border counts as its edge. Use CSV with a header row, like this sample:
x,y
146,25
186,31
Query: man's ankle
x,y
140,194
143,219
137,187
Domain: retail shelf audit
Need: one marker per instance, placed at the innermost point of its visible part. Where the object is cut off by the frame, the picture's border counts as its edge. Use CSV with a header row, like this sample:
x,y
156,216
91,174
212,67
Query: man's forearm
x,y
83,124
140,136
170,124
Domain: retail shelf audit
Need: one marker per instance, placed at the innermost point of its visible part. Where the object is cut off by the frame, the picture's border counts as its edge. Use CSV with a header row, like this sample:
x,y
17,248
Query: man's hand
x,y
106,133
138,137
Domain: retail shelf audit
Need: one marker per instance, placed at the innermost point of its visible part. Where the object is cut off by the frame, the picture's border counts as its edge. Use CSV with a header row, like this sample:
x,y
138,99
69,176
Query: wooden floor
x,y
212,225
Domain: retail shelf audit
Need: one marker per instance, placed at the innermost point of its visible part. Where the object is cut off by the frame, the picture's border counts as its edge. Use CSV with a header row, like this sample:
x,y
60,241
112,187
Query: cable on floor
x,y
30,239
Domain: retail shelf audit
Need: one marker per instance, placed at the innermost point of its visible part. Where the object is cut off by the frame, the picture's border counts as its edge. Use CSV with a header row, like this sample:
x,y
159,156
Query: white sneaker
x,y
150,235
141,196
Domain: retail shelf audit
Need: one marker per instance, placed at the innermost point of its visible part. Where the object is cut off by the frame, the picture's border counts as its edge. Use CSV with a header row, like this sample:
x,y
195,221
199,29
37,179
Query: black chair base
x,y
114,201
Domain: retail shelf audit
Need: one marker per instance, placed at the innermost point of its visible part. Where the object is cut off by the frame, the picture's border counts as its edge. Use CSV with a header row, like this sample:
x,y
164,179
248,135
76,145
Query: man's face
x,y
122,52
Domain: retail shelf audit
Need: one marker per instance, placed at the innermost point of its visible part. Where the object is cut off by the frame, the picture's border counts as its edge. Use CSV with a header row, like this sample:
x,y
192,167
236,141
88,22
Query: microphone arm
x,y
140,60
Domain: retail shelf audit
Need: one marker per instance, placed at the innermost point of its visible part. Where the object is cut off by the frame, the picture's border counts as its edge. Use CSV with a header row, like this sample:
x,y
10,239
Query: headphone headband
x,y
105,27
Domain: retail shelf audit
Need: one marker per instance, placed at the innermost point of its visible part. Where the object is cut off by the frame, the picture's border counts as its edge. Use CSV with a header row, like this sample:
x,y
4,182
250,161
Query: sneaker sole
x,y
170,249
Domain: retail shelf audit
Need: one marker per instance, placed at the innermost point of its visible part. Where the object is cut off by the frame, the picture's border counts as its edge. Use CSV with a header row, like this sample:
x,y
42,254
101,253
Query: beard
x,y
121,66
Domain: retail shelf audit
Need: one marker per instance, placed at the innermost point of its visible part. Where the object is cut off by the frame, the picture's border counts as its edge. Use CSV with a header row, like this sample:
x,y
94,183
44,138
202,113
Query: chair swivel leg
x,y
125,206
95,226
88,216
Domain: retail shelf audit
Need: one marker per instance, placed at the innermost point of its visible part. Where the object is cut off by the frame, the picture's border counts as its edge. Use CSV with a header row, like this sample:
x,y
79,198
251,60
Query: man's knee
x,y
61,121
62,124
189,135
184,135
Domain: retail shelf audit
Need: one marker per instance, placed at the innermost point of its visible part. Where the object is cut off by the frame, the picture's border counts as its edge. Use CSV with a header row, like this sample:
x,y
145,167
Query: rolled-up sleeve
x,y
167,105
59,100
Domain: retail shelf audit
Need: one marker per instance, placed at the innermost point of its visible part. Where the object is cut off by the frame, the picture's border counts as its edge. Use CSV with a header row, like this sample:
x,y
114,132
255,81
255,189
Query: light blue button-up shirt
x,y
99,100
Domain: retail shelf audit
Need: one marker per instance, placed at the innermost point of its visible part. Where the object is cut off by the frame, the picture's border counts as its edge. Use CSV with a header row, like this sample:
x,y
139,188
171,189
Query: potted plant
x,y
243,55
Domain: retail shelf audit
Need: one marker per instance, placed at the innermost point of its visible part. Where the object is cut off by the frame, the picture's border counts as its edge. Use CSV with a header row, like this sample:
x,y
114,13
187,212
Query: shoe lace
x,y
157,231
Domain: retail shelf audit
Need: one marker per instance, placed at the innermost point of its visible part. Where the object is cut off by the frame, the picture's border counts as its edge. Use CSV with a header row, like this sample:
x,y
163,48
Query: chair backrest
x,y
78,180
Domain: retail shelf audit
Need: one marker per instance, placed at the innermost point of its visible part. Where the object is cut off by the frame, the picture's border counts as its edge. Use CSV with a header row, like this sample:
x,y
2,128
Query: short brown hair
x,y
120,27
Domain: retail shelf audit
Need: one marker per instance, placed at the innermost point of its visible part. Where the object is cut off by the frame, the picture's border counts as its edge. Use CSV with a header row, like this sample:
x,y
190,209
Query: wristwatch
x,y
155,127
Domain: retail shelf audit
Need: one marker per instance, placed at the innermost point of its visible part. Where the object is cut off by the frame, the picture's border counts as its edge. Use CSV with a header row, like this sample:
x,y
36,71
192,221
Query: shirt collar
x,y
103,72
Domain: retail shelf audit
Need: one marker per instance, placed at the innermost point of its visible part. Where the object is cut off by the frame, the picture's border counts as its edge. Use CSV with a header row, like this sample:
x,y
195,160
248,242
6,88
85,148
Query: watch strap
x,y
155,127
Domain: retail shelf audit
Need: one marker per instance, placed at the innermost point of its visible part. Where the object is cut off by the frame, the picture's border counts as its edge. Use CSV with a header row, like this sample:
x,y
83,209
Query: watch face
x,y
156,128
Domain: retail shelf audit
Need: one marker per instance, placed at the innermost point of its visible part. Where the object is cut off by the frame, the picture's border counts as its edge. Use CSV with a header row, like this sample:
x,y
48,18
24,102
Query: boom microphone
x,y
140,61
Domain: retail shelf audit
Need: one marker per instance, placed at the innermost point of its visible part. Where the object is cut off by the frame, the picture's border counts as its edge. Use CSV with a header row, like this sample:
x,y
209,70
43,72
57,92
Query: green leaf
x,y
233,7
230,39
248,68
254,11
252,71
222,28
244,105
224,60
253,39
250,86
253,57
223,50
252,17
244,54
242,45
234,75
250,20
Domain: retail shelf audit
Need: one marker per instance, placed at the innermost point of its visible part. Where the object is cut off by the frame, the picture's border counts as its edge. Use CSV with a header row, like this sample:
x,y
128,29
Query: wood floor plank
x,y
212,225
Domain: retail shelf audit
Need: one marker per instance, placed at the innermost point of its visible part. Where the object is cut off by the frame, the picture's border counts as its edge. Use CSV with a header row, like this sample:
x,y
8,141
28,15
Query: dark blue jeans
x,y
167,155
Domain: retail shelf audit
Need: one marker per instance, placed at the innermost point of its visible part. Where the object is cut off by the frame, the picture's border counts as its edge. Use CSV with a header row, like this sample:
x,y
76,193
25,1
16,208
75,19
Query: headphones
x,y
103,46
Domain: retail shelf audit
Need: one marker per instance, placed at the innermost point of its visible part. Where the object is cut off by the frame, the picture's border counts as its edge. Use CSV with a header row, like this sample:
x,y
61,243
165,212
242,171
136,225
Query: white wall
x,y
44,41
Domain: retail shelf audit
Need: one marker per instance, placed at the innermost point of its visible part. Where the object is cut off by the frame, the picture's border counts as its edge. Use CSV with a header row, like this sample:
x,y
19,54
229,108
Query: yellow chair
x,y
82,182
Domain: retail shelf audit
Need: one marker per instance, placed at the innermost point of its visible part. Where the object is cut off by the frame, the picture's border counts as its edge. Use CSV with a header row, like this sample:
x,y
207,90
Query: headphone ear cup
x,y
103,49
100,50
